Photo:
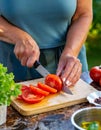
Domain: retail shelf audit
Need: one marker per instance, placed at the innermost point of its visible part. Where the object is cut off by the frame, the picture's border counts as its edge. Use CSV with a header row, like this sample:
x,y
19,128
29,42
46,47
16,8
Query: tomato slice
x,y
37,90
46,88
54,81
24,87
19,97
30,97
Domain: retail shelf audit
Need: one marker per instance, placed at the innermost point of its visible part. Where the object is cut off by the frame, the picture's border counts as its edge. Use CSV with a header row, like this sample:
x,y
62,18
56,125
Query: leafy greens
x,y
8,87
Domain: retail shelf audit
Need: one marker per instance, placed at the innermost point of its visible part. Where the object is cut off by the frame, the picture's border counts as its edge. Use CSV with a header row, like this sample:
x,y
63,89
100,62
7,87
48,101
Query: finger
x,y
31,60
16,51
60,68
77,75
24,61
24,53
73,72
69,67
19,51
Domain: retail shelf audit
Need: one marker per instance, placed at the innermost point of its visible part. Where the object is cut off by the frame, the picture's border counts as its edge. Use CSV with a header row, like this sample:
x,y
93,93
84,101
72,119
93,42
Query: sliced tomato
x,y
46,88
19,97
37,90
30,97
53,81
24,87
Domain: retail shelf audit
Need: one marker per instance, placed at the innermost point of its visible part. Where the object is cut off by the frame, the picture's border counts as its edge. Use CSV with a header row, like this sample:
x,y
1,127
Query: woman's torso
x,y
47,21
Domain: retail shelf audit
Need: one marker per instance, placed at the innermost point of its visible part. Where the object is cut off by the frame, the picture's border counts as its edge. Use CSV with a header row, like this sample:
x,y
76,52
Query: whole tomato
x,y
95,73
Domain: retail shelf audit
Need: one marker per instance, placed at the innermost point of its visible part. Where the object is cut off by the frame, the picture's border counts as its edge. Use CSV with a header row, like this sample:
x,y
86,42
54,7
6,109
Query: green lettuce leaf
x,y
8,87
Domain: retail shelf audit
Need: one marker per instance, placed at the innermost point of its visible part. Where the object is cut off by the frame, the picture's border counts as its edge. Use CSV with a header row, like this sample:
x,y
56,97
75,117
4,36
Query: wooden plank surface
x,y
54,101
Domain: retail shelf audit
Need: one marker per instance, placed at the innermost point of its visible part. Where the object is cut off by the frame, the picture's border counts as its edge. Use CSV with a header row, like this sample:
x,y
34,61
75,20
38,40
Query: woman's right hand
x,y
26,49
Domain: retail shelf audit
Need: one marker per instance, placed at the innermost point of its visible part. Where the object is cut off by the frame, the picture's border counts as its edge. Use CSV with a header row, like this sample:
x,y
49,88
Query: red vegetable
x,y
24,87
19,97
54,81
100,82
38,91
33,94
30,97
46,88
95,73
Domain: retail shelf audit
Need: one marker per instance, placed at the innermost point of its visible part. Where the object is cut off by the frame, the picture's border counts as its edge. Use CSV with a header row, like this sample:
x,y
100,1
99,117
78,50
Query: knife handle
x,y
36,64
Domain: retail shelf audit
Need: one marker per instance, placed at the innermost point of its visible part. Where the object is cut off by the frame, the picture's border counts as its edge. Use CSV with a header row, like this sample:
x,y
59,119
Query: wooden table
x,y
53,120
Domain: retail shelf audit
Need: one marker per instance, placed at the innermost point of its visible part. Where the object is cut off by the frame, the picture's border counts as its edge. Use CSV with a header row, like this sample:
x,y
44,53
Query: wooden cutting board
x,y
54,101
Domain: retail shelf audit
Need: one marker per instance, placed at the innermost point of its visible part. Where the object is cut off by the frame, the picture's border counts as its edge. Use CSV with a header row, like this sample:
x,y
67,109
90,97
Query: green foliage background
x,y
93,42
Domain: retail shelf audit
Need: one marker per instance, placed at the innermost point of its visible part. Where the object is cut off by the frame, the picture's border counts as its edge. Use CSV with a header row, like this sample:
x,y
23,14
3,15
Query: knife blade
x,y
43,71
66,90
39,68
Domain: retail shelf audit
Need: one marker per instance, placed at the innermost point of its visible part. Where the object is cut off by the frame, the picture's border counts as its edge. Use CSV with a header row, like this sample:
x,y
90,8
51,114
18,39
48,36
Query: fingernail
x,y
64,79
68,83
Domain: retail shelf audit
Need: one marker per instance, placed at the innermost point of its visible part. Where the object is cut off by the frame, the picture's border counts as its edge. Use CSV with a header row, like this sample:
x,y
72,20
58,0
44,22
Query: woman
x,y
52,32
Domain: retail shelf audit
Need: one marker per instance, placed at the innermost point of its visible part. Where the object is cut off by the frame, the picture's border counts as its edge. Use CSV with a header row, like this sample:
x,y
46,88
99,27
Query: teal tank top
x,y
47,21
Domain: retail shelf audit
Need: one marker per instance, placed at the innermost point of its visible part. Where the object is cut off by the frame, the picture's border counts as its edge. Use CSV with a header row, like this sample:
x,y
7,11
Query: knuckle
x,y
73,58
26,52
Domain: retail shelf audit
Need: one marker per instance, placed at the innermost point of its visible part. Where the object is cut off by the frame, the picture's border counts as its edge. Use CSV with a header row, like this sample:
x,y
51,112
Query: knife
x,y
41,69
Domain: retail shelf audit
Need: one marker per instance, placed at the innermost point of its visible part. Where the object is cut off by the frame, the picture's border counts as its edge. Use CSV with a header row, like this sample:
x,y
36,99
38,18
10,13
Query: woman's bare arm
x,y
79,28
69,67
26,49
7,31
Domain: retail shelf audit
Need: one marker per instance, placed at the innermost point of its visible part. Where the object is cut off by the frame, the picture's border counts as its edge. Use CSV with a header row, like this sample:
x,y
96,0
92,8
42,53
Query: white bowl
x,y
92,96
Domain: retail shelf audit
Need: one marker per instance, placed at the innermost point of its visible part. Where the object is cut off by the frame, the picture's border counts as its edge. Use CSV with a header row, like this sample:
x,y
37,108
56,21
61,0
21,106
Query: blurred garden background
x,y
93,42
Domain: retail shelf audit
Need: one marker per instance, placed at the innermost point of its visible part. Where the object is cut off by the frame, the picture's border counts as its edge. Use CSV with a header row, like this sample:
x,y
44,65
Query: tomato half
x,y
54,81
37,90
30,97
46,88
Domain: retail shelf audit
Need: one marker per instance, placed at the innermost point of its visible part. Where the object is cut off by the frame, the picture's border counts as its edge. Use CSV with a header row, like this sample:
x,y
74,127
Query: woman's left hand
x,y
69,69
